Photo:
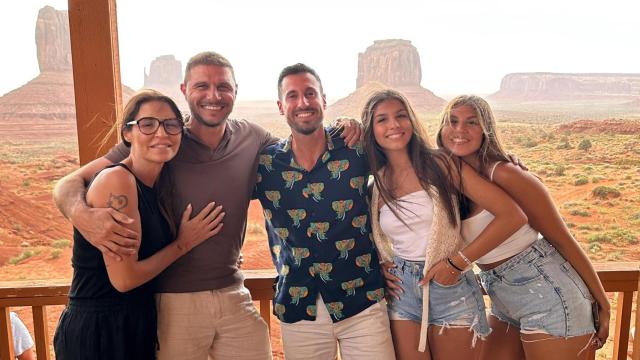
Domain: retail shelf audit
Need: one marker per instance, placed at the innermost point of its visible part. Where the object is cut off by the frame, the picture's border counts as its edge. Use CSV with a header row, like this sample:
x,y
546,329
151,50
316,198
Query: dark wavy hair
x,y
432,167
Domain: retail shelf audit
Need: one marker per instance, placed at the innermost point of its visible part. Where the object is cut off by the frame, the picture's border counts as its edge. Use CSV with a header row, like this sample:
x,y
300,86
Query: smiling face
x,y
210,91
392,127
302,103
158,147
463,134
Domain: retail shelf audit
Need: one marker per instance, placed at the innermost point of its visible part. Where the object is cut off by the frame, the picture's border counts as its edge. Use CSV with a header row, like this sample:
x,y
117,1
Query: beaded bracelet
x,y
453,265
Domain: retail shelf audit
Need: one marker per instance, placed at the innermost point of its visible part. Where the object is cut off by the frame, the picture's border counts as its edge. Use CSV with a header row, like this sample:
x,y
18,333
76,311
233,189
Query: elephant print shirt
x,y
319,231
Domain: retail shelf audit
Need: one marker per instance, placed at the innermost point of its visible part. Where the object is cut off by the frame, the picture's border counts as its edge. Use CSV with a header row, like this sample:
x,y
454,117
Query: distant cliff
x,y
165,75
556,86
387,64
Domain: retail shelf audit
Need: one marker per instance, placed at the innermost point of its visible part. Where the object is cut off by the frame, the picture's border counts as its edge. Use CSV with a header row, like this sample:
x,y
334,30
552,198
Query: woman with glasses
x,y
111,312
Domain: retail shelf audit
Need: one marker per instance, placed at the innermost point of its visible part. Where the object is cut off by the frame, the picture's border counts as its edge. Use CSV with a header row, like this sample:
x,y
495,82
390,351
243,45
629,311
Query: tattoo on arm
x,y
117,202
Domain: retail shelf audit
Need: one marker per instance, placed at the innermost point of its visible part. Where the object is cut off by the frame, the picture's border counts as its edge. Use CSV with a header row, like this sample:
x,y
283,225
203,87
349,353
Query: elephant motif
x,y
322,270
350,286
283,233
299,254
319,229
296,215
337,167
341,207
360,222
376,295
335,309
258,178
312,310
284,271
290,178
315,190
298,293
266,161
357,183
276,251
279,309
274,197
344,246
268,215
364,261
359,148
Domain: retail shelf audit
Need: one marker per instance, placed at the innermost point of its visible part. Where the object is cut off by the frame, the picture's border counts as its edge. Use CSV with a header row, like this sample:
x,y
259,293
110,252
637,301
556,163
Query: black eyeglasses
x,y
149,125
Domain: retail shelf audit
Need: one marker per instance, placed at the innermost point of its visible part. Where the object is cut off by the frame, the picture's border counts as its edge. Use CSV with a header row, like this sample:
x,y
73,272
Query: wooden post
x,y
6,337
623,320
96,74
41,332
635,352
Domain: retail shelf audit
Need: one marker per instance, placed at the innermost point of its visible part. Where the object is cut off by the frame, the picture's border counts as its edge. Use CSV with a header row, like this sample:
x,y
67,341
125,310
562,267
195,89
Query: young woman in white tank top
x,y
415,225
558,321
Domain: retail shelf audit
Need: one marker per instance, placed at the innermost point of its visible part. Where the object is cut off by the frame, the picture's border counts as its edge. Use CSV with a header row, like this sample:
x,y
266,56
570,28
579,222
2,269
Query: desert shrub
x,y
23,256
55,253
559,170
600,238
529,143
61,243
565,145
594,248
596,179
580,212
604,192
26,183
581,180
585,145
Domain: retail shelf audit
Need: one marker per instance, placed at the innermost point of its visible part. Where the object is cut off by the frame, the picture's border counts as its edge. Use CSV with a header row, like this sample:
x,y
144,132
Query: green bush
x,y
604,192
595,248
585,145
61,243
581,180
600,238
559,170
55,253
23,256
580,212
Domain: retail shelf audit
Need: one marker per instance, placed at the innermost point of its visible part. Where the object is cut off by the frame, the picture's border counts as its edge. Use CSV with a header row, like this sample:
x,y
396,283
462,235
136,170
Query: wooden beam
x,y
96,74
6,338
41,329
623,320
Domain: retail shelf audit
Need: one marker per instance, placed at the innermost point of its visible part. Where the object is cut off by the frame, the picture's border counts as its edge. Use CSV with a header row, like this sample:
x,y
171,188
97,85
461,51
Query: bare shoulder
x,y
507,175
113,187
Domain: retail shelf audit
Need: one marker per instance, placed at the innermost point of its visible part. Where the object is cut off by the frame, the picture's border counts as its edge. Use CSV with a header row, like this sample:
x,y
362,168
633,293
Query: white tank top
x,y
409,243
516,243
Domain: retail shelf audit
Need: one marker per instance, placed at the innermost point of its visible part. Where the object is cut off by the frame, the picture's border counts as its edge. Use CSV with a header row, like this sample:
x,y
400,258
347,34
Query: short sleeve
x,y
22,340
118,153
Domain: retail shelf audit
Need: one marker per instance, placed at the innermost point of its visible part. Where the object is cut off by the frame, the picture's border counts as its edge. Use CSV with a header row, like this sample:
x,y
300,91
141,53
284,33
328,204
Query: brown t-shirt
x,y
226,175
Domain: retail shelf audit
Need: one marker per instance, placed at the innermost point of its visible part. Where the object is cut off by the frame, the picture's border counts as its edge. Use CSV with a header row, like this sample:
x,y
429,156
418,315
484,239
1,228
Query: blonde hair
x,y
490,150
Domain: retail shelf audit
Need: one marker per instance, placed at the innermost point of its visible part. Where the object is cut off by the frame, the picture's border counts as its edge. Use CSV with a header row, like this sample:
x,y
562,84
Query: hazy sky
x,y
464,46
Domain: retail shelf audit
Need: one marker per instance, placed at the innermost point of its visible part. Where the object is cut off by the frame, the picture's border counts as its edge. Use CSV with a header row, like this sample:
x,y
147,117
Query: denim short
x,y
540,292
457,305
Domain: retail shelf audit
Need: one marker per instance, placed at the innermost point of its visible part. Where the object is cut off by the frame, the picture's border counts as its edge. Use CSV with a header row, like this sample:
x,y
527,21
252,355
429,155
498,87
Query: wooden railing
x,y
620,278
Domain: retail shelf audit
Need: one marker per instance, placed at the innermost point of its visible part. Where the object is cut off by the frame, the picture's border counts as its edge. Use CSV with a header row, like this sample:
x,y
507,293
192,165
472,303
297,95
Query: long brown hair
x,y
165,186
490,150
432,167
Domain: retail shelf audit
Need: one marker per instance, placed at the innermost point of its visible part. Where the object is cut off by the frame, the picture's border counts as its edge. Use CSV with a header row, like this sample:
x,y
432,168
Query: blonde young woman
x,y
543,288
111,312
416,229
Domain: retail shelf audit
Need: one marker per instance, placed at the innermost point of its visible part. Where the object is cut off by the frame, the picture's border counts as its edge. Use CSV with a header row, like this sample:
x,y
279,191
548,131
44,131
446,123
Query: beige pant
x,y
216,324
363,336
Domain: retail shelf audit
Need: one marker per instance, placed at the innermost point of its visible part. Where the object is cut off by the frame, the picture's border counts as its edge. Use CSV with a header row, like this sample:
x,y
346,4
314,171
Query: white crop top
x,y
516,243
409,243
